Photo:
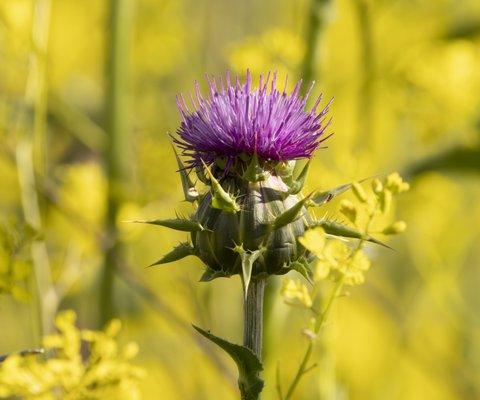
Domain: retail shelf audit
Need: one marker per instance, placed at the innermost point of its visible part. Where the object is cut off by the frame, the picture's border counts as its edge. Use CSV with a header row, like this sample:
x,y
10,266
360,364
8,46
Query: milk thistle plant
x,y
251,148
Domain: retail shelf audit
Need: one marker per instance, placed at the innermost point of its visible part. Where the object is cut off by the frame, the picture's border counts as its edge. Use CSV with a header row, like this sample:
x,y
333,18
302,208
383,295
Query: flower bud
x,y
377,186
359,192
395,228
348,209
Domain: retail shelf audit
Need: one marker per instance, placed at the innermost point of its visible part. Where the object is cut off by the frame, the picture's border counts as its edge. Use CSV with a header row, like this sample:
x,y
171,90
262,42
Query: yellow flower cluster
x,y
100,370
296,293
335,258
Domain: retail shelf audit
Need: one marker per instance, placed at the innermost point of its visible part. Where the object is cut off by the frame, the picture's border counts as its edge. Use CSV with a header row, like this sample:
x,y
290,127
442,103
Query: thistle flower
x,y
237,120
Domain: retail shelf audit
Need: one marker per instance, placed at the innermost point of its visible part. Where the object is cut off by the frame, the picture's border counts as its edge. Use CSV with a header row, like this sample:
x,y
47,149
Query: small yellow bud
x,y
348,209
359,192
377,186
396,227
395,183
385,201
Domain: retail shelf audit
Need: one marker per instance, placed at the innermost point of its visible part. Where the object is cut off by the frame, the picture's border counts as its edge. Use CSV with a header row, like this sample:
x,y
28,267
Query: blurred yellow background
x,y
405,75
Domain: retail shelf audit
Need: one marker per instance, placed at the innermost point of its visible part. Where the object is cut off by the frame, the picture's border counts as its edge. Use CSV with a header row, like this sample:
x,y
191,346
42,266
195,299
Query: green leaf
x,y
290,215
183,250
457,159
189,191
338,229
249,366
254,172
179,224
221,199
303,269
324,197
210,275
298,183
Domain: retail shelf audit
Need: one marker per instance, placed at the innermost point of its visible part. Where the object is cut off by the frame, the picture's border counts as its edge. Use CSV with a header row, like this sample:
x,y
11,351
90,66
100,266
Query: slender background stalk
x,y
118,129
316,22
30,161
365,134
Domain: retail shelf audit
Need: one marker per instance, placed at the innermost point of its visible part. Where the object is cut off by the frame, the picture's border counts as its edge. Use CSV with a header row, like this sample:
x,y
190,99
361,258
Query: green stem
x,y
117,124
30,161
253,319
302,369
316,23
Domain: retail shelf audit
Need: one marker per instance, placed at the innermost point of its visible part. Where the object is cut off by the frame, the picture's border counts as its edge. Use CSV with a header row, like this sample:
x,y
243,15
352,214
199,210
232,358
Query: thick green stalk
x,y
253,316
118,129
253,319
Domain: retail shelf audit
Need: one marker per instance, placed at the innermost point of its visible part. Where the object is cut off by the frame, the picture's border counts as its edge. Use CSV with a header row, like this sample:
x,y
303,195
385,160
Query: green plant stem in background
x,y
367,62
316,22
303,368
30,161
118,130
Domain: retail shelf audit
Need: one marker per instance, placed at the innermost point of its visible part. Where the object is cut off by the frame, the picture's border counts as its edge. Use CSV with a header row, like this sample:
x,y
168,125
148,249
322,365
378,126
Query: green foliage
x,y
249,366
180,251
15,262
179,224
66,372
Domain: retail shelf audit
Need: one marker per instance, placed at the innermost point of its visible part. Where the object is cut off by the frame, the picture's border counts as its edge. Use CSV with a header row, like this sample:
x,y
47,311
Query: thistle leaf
x,y
221,199
299,182
254,172
210,275
324,197
338,229
248,364
179,224
290,215
189,190
183,250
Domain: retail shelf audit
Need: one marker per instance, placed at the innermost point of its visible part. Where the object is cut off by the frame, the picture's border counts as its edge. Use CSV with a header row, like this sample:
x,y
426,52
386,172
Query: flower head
x,y
236,119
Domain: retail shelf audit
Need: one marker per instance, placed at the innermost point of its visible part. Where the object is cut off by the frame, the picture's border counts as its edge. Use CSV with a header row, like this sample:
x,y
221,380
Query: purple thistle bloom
x,y
239,120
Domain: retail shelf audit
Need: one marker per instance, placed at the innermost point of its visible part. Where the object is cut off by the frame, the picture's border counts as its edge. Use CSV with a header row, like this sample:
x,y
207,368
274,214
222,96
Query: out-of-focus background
x,y
87,98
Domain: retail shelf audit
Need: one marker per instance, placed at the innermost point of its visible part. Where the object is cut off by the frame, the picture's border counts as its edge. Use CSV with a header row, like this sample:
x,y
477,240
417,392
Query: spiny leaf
x,y
299,182
248,364
324,197
189,191
210,275
221,199
179,224
183,250
254,172
338,229
290,215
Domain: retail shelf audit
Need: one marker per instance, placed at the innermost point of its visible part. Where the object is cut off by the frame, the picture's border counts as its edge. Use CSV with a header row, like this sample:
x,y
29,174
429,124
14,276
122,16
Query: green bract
x,y
249,218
